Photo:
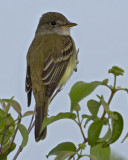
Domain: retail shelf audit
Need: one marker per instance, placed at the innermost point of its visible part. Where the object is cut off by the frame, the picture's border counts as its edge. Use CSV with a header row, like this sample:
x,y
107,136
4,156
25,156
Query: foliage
x,y
9,127
100,147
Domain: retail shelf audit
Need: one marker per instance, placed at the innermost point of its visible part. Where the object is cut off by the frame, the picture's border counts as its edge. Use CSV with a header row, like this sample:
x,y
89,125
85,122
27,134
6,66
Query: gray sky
x,y
101,36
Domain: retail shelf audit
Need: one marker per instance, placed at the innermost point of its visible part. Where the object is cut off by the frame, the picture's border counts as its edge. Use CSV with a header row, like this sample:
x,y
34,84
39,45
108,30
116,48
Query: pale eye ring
x,y
53,23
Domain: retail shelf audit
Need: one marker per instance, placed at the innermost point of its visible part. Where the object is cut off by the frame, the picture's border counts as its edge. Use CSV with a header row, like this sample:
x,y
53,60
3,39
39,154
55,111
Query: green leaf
x,y
3,155
125,138
13,147
126,90
10,147
93,107
116,71
2,113
101,153
24,134
8,100
105,105
94,132
7,136
117,127
106,136
80,90
67,147
7,108
10,123
3,104
3,123
59,116
16,106
77,108
87,116
6,121
29,113
105,82
87,120
64,155
82,146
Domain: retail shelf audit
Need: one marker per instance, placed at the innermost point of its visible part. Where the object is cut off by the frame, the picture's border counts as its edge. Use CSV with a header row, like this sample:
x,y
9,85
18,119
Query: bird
x,y
51,60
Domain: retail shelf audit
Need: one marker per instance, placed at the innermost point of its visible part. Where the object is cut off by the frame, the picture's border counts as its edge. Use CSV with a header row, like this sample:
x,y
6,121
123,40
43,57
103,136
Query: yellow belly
x,y
70,68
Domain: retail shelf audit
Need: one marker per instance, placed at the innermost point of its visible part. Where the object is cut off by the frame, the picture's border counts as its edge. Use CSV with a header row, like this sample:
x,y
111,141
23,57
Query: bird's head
x,y
53,22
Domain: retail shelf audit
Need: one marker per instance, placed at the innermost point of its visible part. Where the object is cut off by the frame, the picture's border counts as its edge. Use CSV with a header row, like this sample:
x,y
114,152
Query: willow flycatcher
x,y
51,59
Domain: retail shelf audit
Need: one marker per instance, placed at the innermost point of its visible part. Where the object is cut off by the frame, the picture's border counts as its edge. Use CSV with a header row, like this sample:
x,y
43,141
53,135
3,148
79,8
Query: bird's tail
x,y
41,113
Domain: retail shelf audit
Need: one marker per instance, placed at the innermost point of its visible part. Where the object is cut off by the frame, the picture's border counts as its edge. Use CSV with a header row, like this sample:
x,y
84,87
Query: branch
x,y
13,138
109,101
80,126
29,128
85,141
31,125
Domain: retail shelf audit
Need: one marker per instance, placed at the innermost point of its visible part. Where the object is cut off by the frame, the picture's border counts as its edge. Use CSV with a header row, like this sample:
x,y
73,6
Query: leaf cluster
x,y
99,146
9,127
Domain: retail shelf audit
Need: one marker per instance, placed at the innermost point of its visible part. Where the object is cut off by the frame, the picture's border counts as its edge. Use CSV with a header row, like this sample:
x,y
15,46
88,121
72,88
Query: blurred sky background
x,y
101,36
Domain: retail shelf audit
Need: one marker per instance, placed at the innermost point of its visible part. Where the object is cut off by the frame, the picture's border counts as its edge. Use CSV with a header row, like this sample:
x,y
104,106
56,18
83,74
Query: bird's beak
x,y
69,24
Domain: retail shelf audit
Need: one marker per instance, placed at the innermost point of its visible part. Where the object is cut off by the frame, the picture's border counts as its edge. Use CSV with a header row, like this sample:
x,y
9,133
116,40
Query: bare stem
x,y
85,141
114,82
29,128
113,91
31,125
79,124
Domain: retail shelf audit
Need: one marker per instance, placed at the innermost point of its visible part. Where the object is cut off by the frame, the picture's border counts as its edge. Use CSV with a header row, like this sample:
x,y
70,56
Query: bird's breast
x,y
68,72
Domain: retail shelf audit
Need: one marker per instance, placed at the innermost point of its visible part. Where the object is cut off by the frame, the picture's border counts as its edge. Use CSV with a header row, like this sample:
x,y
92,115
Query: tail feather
x,y
41,113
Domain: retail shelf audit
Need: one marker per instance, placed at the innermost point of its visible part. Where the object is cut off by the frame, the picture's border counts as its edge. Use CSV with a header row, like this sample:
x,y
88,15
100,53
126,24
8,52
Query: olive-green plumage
x,y
51,60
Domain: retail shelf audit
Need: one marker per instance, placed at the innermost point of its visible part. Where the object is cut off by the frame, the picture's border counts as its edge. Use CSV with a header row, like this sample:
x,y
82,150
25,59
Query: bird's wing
x,y
28,84
54,66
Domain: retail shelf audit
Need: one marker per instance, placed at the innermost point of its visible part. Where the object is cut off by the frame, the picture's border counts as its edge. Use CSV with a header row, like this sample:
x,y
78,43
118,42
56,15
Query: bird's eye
x,y
53,23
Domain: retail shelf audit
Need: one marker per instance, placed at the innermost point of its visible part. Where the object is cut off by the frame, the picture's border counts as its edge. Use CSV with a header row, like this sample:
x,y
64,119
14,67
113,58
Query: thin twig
x,y
85,141
31,125
18,152
113,91
79,124
29,130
